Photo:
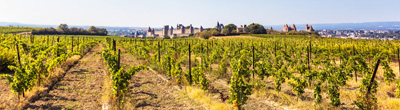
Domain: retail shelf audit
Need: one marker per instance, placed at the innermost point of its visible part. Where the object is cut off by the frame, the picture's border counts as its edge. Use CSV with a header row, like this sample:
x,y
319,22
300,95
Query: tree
x,y
215,31
63,27
228,29
97,31
205,34
92,29
293,32
255,28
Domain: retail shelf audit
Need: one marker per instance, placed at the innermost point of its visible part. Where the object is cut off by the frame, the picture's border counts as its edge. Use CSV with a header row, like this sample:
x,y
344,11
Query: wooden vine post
x,y
58,40
201,47
373,77
275,49
355,72
309,57
159,52
207,46
72,41
78,42
119,58
114,46
190,68
19,58
47,40
20,65
253,60
340,59
119,66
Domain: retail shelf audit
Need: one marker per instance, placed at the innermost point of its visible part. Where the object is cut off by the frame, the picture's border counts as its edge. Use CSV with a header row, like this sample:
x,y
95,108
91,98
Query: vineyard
x,y
16,29
264,71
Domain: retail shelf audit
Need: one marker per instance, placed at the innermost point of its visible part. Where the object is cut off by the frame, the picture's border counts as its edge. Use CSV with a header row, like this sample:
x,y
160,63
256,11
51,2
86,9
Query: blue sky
x,y
156,13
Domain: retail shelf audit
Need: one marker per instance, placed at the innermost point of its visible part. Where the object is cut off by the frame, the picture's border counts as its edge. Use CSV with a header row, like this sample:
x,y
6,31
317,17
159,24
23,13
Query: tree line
x,y
63,29
253,28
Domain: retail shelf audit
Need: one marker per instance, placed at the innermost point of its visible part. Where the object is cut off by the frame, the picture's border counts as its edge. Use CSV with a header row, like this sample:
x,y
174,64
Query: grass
x,y
106,96
71,106
274,36
205,99
6,29
389,103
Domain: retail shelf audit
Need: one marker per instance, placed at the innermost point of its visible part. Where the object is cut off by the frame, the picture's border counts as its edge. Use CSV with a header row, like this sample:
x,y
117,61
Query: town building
x,y
240,29
309,28
286,28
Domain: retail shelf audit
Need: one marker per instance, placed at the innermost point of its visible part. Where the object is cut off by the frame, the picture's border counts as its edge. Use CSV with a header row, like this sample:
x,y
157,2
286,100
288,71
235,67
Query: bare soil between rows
x,y
150,91
80,88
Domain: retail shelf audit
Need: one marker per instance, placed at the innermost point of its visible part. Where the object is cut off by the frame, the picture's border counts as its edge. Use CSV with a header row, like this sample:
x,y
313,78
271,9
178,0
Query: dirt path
x,y
79,89
24,33
253,103
5,92
150,91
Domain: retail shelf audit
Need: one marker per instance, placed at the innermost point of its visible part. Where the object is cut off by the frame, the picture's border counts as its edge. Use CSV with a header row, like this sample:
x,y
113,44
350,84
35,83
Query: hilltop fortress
x,y
181,30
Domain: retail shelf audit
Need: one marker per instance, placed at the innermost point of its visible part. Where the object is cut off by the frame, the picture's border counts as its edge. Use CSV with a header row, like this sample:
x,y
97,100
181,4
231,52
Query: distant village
x,y
360,34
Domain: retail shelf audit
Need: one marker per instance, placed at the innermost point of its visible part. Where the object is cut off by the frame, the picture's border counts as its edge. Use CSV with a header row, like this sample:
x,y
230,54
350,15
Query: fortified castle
x,y
286,28
181,30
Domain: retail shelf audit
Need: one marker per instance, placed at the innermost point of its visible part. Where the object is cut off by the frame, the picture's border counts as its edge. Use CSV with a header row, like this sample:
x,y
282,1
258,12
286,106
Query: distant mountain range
x,y
395,25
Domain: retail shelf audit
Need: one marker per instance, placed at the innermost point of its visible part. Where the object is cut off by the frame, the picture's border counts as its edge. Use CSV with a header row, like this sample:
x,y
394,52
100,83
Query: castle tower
x,y
218,26
149,32
294,27
171,31
309,28
182,29
191,29
165,30
201,29
149,29
285,28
